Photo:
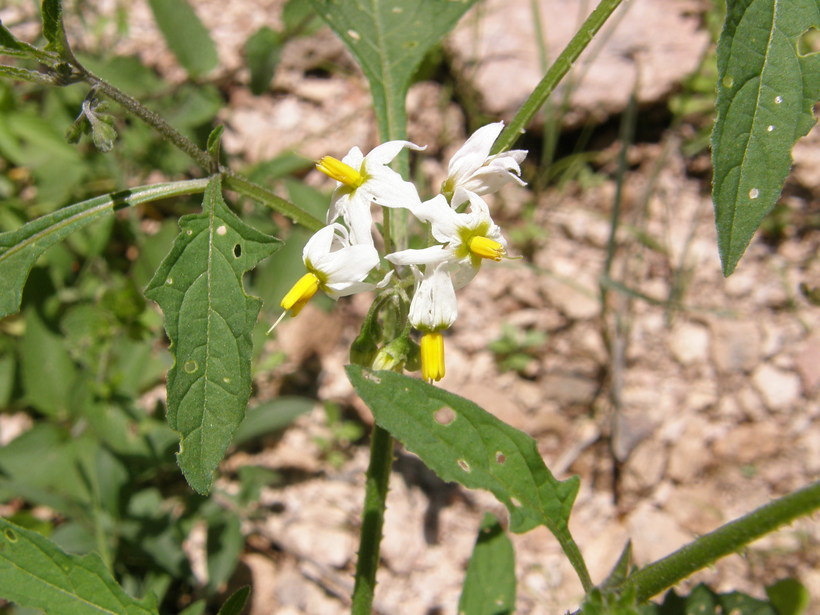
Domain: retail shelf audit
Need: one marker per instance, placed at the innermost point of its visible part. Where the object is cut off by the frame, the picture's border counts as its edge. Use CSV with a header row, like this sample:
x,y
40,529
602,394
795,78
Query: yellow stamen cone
x,y
432,356
301,293
487,248
340,171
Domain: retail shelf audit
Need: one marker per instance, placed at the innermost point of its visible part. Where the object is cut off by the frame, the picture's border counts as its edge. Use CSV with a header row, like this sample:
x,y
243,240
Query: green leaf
x,y
44,353
489,586
703,601
463,443
20,249
789,597
765,94
35,573
390,38
263,50
271,416
235,604
209,319
185,34
22,74
53,28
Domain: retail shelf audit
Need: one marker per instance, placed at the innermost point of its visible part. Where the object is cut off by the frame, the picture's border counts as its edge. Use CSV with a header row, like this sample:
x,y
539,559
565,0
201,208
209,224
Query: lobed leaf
x,y
209,318
35,573
389,39
463,443
185,34
20,249
765,94
489,585
53,28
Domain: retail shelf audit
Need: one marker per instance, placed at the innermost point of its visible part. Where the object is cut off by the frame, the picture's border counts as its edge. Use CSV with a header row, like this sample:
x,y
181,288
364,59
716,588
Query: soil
x,y
682,399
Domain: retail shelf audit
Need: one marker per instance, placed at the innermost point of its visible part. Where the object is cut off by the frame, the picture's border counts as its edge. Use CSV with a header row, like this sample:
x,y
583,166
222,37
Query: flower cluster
x,y
340,256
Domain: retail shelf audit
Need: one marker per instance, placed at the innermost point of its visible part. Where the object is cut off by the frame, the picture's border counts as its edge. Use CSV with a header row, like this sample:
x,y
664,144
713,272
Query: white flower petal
x,y
350,264
354,158
474,152
383,154
427,256
388,189
318,246
434,304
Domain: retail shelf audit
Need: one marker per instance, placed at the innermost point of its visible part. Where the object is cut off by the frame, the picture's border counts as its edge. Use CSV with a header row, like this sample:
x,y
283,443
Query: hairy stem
x,y
375,498
556,73
727,539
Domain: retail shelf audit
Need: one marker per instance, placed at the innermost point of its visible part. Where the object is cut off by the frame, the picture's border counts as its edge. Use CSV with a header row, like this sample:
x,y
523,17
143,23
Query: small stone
x,y
807,364
689,343
645,467
736,345
749,443
690,454
571,301
779,389
654,533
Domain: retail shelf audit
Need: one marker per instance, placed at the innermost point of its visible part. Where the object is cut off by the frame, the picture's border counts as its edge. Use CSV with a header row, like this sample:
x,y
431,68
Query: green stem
x,y
665,573
245,187
375,497
555,74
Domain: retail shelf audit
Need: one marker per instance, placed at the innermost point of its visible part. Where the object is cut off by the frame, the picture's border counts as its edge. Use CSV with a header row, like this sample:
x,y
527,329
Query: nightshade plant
x,y
765,93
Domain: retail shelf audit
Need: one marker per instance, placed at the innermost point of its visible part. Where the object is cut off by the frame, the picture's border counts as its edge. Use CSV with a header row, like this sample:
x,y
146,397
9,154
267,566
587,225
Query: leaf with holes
x,y
209,319
389,39
766,90
36,573
463,443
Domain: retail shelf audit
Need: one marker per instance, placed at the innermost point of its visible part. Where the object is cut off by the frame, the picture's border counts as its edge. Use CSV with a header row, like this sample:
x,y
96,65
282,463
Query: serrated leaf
x,y
20,249
489,585
209,318
765,94
186,35
35,573
463,443
53,29
390,38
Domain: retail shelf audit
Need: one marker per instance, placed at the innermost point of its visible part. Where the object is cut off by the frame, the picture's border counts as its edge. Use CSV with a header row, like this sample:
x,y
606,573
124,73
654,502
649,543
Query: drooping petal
x,y
434,305
354,158
388,189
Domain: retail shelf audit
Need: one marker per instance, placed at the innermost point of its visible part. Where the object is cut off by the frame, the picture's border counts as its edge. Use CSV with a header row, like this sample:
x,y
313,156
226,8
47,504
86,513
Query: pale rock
x,y
807,364
504,45
689,343
690,455
749,443
569,389
646,466
695,508
572,301
262,572
736,345
779,389
654,533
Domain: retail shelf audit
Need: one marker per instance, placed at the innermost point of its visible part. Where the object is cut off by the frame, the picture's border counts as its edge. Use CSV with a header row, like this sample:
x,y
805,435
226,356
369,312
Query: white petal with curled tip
x,y
383,154
434,304
474,152
320,243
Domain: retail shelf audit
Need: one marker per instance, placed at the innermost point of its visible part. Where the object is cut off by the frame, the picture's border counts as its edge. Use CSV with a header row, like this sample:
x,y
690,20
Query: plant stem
x,y
665,573
375,497
555,73
245,187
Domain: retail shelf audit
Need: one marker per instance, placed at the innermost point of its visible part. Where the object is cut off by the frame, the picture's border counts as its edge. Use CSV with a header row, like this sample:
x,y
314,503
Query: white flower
x,y
363,180
432,310
473,171
465,239
334,265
